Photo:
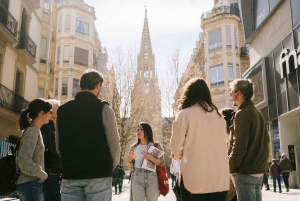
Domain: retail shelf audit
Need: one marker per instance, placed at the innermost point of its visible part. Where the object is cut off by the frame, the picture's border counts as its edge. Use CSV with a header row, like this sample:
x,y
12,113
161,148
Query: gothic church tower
x,y
146,95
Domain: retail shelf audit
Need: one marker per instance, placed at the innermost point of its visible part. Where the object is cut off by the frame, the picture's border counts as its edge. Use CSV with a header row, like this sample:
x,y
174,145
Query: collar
x,y
245,103
85,94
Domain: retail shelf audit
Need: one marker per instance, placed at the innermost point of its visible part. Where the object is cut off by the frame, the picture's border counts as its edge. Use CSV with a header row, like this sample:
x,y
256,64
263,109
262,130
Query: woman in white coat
x,y
199,141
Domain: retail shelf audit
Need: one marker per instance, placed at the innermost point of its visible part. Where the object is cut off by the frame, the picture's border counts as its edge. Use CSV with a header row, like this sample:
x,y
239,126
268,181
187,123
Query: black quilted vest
x,y
82,140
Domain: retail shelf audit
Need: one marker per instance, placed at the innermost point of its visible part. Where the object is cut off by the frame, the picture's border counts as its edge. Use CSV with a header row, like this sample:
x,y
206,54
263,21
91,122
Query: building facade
x,y
76,47
20,44
271,28
226,55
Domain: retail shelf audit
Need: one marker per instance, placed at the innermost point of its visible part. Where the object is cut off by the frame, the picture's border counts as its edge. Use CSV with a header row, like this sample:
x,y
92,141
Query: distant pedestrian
x,y
176,172
130,174
199,141
287,169
87,140
144,183
173,177
266,177
31,150
51,187
275,174
116,177
248,147
121,176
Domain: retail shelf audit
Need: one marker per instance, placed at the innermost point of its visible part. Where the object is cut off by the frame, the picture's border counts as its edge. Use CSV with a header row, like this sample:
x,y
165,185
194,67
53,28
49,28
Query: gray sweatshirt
x,y
31,156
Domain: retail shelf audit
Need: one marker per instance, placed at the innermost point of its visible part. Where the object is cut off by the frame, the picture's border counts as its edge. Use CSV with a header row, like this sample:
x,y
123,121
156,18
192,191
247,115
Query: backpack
x,y
8,173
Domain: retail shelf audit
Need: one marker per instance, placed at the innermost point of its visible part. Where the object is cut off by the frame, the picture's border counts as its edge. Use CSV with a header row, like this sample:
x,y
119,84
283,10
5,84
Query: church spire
x,y
146,41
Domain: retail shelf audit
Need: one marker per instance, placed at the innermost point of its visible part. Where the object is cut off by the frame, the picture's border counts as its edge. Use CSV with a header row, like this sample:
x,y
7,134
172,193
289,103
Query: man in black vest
x,y
88,142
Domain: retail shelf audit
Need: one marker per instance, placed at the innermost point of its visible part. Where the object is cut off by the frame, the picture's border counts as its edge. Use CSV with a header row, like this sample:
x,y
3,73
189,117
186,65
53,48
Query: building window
x,y
64,86
76,87
66,53
68,22
216,75
41,93
146,55
43,48
56,87
215,40
59,24
81,56
230,72
82,26
235,39
58,54
46,4
228,38
19,83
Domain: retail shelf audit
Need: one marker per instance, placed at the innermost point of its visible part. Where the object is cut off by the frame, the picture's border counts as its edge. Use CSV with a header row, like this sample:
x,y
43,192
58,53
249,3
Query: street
x,y
293,195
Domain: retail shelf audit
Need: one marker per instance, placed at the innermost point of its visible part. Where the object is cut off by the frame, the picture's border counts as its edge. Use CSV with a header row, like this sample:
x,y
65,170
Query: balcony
x,y
8,25
78,4
12,101
244,52
220,11
32,4
27,48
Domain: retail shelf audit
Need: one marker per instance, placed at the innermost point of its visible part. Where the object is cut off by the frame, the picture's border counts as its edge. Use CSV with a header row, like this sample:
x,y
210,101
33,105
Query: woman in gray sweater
x,y
31,151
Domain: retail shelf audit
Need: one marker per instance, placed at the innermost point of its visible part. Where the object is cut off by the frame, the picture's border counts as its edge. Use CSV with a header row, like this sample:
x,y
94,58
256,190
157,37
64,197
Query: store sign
x,y
289,61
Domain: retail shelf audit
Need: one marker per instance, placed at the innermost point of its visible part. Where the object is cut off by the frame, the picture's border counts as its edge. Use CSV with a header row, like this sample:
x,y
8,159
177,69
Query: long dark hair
x,y
147,133
194,92
227,114
32,112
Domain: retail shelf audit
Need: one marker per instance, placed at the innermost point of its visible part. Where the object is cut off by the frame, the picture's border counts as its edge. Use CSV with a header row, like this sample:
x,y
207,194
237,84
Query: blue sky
x,y
173,24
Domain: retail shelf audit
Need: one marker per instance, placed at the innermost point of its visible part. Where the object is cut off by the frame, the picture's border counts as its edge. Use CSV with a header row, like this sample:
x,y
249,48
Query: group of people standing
x,y
85,149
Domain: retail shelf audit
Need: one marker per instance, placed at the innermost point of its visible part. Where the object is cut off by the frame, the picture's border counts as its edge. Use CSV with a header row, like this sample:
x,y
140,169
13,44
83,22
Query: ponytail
x,y
24,119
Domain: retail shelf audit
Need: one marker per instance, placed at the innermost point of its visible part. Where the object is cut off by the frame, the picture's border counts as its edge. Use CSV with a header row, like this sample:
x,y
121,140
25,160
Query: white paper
x,y
149,165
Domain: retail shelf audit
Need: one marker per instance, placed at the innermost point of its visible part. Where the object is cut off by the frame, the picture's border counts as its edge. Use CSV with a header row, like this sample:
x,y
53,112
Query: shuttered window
x,y
81,56
66,53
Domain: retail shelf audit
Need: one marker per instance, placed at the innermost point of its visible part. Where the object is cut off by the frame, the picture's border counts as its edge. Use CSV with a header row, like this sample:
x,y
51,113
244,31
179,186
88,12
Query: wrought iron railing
x,y
8,20
12,101
220,10
244,51
27,43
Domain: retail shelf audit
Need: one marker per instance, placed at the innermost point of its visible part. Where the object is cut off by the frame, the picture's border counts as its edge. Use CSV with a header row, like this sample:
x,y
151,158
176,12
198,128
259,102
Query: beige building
x,y
76,47
220,54
226,54
20,45
272,30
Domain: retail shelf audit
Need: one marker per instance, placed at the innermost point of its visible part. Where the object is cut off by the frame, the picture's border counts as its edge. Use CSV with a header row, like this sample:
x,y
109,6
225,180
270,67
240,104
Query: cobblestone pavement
x,y
293,195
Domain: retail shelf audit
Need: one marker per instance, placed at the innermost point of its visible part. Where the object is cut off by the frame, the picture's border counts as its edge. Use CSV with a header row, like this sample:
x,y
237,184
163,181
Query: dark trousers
x,y
286,176
116,183
187,196
173,177
51,187
274,183
265,181
121,185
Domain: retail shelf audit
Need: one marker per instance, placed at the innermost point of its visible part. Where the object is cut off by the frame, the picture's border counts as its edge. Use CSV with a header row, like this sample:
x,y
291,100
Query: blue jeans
x,y
144,185
30,191
274,183
86,189
248,188
51,187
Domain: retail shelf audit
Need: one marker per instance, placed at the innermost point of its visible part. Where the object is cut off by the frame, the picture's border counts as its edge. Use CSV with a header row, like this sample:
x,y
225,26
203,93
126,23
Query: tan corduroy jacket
x,y
199,141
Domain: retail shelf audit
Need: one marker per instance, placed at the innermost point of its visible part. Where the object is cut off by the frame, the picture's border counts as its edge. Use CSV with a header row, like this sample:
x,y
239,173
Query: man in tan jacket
x,y
248,143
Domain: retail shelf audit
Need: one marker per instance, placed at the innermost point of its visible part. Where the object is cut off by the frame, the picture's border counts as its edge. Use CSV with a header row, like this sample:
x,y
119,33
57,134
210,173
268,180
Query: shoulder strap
x,y
14,150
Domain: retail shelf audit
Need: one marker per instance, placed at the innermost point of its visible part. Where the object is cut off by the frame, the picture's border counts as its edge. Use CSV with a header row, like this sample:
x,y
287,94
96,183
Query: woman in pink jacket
x,y
199,141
